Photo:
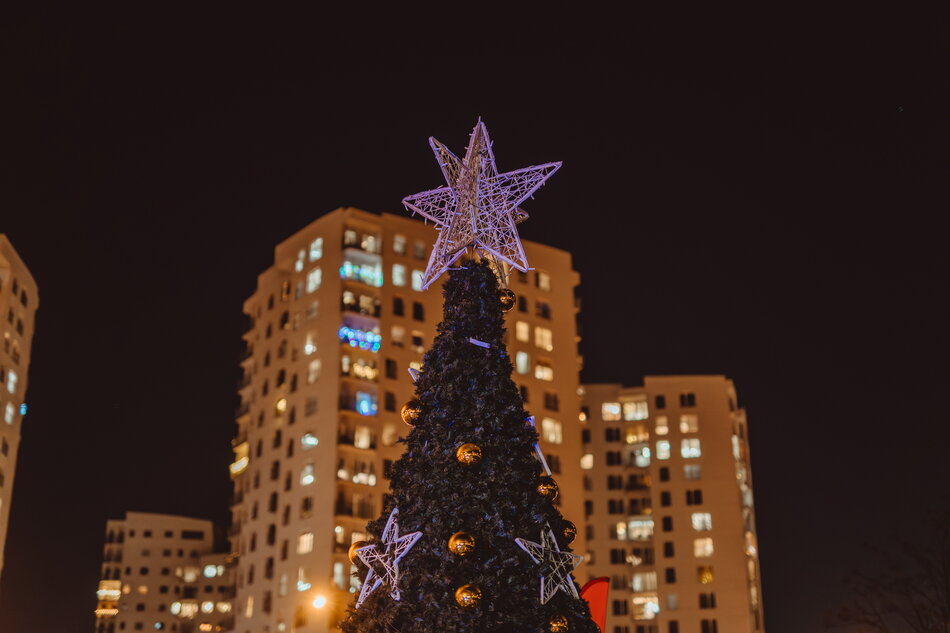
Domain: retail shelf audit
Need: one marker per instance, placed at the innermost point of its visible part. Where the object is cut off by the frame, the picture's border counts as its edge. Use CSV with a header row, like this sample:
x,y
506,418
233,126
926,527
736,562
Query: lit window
x,y
11,381
316,249
303,579
543,370
689,423
305,543
587,461
417,279
363,339
175,608
306,475
610,411
544,281
313,371
522,363
663,449
543,338
637,433
641,456
703,547
280,407
644,581
399,275
398,335
635,410
551,430
645,607
248,607
702,521
308,441
399,244
672,602
313,310
691,472
207,607
522,331
365,403
210,571
339,575
224,607
363,437
639,529
368,272
298,265
691,448
704,575
662,425
314,278
8,413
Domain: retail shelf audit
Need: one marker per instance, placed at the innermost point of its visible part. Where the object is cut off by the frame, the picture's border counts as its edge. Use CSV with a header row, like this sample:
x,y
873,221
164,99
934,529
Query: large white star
x,y
556,566
385,558
479,207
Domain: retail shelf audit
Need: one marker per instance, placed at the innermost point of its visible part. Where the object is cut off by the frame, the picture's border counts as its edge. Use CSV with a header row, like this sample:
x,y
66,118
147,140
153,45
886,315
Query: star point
x,y
383,559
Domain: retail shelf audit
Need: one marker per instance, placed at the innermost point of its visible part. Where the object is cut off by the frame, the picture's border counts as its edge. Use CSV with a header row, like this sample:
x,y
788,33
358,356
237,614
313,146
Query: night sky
x,y
748,194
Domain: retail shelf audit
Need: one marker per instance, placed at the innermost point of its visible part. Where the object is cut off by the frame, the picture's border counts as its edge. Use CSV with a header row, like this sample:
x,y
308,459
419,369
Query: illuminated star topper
x,y
479,207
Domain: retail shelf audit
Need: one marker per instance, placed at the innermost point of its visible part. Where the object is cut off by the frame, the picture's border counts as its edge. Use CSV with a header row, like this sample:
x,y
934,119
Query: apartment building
x,y
19,301
669,506
160,573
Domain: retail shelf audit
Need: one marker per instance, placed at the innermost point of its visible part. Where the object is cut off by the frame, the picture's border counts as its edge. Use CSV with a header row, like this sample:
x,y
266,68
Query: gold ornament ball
x,y
547,488
507,298
461,543
352,552
569,531
469,454
411,411
558,624
468,596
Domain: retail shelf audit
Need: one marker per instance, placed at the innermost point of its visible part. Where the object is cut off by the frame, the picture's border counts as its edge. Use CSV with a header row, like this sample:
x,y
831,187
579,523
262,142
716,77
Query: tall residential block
x,y
160,573
18,303
335,325
669,509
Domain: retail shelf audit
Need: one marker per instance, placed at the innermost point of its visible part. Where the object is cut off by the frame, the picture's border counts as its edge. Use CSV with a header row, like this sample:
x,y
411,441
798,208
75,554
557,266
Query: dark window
x,y
418,311
278,438
687,399
551,401
585,436
522,304
588,508
670,573
399,306
524,393
667,524
192,535
694,497
708,626
148,534
390,368
668,549
618,556
660,402
674,627
665,498
542,309
612,435
707,601
389,401
664,473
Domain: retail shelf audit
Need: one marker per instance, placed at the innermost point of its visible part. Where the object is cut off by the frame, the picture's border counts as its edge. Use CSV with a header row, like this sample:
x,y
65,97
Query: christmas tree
x,y
470,540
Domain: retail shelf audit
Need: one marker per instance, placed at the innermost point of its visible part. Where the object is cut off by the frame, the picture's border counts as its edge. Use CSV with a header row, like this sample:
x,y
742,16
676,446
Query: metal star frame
x,y
556,566
387,555
479,207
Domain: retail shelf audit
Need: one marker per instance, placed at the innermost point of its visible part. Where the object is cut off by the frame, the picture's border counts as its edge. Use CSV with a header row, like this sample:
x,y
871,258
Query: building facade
x,y
160,573
335,324
669,506
18,303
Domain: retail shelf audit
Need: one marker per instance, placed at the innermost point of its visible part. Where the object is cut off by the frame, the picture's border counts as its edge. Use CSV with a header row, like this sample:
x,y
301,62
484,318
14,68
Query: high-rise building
x,y
160,573
18,303
335,324
669,510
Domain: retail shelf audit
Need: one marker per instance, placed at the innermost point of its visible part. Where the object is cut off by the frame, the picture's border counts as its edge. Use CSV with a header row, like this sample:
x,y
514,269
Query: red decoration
x,y
595,593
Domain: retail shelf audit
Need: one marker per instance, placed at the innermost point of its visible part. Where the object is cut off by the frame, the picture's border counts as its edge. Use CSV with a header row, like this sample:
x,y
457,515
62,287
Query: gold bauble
x,y
461,543
507,299
558,624
570,532
411,411
468,596
469,454
547,488
352,552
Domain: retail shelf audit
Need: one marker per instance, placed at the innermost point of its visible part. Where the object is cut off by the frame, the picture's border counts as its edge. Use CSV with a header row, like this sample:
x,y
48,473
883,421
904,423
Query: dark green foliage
x,y
468,396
